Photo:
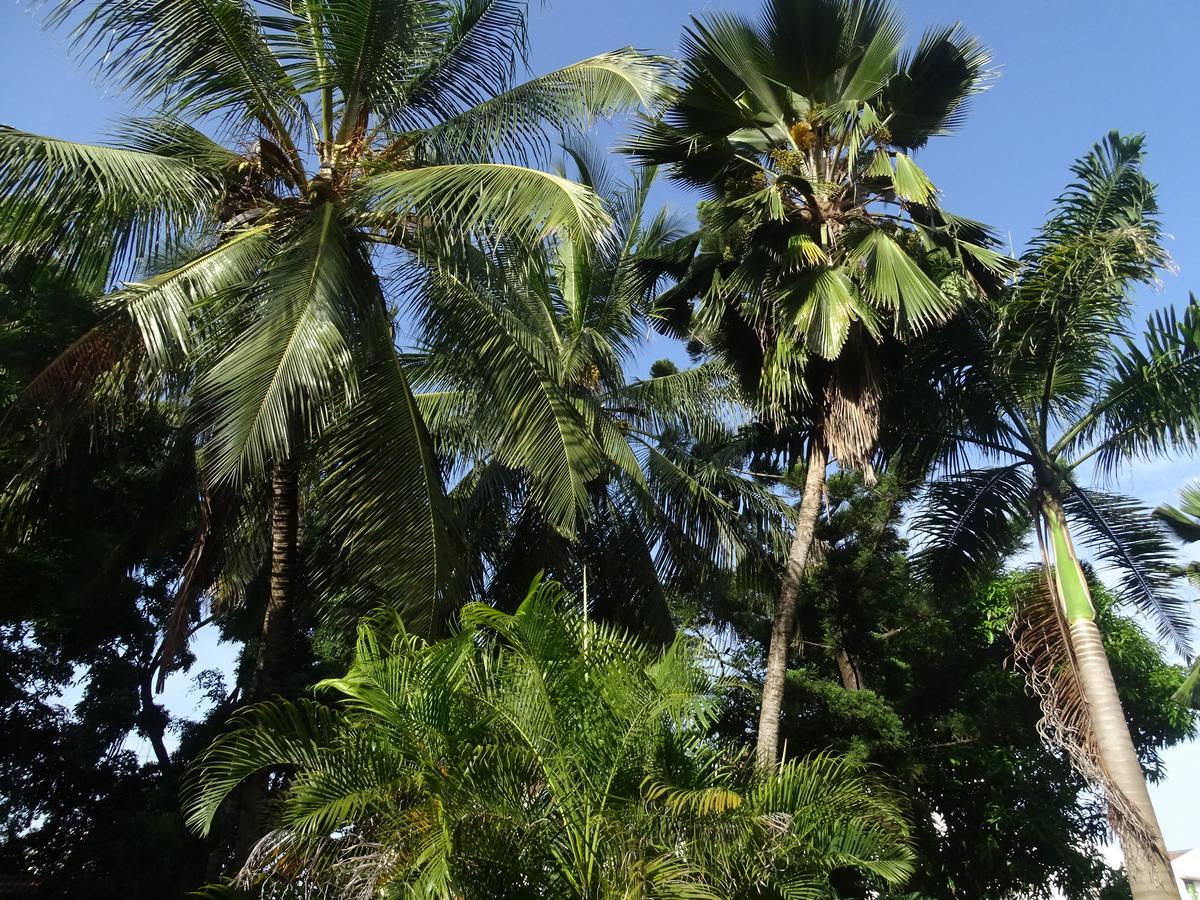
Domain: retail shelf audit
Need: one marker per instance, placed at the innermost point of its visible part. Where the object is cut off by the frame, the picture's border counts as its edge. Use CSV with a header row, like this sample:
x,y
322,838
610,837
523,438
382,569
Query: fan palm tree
x,y
821,228
1048,386
1184,521
248,277
538,754
627,484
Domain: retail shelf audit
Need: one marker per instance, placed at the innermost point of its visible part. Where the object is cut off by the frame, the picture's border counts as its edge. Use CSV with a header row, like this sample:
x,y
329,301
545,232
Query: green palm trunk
x,y
1150,875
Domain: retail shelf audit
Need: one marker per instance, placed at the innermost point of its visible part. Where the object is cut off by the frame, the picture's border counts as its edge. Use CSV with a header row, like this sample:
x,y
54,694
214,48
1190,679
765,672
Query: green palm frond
x,y
281,379
929,95
1185,520
112,202
199,57
898,284
1149,404
493,198
165,306
1189,691
383,505
264,736
535,424
474,55
971,521
515,122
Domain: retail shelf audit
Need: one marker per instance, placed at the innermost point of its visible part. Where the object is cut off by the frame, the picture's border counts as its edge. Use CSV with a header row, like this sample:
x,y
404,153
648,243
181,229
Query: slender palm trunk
x,y
784,621
1150,875
276,637
275,642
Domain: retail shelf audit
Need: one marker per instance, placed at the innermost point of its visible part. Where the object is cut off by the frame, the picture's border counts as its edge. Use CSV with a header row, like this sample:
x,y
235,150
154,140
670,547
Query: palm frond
x,y
283,377
515,124
199,57
1150,403
490,198
383,505
115,204
929,95
971,521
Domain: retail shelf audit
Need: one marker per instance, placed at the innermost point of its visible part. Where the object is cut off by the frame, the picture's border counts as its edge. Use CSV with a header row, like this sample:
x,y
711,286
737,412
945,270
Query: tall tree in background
x,y
355,131
801,126
1047,382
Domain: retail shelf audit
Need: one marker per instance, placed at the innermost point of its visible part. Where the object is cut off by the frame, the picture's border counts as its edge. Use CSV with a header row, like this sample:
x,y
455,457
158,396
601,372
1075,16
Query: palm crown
x,y
821,226
1049,381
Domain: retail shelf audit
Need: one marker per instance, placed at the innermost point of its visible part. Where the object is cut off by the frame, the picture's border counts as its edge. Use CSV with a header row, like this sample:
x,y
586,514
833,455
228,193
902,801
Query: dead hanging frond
x,y
1042,652
217,512
357,864
853,395
74,373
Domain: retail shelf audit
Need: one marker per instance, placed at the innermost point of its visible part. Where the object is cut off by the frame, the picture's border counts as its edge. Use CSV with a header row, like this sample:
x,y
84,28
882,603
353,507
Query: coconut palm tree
x,y
249,275
538,754
1184,521
821,229
638,486
1047,387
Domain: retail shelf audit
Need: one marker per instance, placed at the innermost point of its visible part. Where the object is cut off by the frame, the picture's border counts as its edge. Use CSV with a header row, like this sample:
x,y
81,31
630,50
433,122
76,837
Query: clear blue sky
x,y
1070,70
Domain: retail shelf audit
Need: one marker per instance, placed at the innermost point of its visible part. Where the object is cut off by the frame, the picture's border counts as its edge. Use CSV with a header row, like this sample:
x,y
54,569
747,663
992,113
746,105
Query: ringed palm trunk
x,y
275,641
1150,874
783,623
275,638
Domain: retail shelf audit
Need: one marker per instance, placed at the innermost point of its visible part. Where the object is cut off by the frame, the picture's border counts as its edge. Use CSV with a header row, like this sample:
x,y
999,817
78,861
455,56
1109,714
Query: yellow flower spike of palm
x,y
803,135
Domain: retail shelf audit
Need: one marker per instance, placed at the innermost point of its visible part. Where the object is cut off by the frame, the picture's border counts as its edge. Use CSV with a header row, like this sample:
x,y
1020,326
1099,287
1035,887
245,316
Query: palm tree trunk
x,y
784,621
275,641
275,638
1149,869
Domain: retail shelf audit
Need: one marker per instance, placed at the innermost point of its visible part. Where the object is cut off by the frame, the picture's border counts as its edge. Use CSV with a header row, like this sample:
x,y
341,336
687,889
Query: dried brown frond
x,y
1042,652
74,372
200,570
852,407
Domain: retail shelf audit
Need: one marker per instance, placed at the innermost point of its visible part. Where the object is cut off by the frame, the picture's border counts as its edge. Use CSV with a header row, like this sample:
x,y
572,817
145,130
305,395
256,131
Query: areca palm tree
x,y
821,232
1048,386
538,754
248,275
1184,521
613,486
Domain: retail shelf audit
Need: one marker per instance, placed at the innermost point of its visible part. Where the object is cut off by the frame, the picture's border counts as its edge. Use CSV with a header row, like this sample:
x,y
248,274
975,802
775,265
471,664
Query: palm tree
x,y
538,754
614,487
357,133
1184,521
822,230
1046,384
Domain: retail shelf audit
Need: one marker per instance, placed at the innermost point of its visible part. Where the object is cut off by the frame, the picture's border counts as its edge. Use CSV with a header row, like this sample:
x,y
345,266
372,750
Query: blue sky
x,y
1069,71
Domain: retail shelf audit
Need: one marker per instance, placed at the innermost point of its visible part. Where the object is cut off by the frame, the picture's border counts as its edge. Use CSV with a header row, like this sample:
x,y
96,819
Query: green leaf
x,y
896,282
911,182
490,198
